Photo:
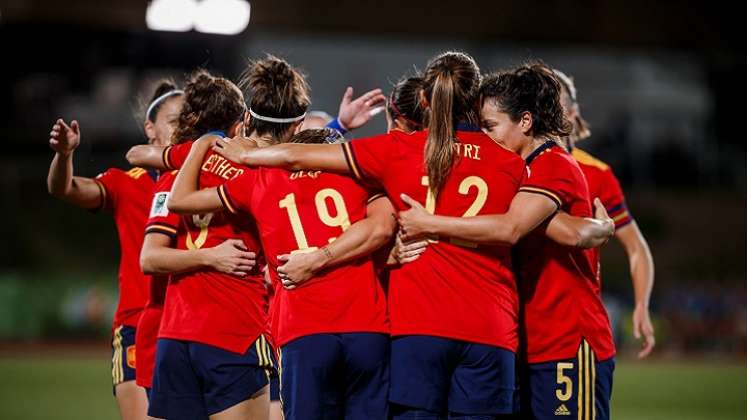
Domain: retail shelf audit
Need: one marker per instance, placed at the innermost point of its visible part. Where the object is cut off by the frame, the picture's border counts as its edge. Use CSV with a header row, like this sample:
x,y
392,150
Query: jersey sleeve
x,y
236,193
552,176
174,156
367,158
109,183
613,199
161,220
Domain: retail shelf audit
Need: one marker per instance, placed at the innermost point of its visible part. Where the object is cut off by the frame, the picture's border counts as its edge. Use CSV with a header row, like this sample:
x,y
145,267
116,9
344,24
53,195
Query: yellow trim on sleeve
x,y
542,191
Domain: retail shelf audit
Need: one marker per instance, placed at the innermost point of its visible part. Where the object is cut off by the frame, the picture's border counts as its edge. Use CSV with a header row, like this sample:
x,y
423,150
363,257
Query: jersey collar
x,y
464,126
538,151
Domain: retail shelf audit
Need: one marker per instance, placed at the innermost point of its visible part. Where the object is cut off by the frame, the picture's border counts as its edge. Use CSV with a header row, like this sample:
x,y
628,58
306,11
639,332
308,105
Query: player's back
x,y
208,306
299,212
455,289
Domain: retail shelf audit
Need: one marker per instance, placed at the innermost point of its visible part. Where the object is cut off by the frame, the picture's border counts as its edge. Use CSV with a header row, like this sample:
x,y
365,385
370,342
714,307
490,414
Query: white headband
x,y
160,99
276,120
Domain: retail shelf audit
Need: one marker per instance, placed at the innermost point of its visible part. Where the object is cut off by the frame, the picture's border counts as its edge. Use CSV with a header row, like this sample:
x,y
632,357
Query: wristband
x,y
337,125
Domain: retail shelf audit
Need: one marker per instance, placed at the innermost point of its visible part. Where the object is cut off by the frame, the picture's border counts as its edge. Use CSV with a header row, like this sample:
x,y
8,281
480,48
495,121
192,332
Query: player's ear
x,y
150,130
423,100
526,122
235,129
296,127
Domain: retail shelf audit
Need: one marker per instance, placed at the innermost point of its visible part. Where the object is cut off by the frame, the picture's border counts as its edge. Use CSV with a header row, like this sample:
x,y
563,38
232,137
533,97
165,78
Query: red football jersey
x,y
128,195
206,306
603,184
559,285
301,211
455,289
164,222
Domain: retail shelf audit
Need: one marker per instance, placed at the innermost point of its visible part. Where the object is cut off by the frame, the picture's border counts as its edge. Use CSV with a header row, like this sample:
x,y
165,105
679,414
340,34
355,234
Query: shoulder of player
x,y
584,158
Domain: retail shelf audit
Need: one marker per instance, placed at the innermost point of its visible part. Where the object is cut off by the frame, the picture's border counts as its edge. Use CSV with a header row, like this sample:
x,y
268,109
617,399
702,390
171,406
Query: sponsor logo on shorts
x,y
562,411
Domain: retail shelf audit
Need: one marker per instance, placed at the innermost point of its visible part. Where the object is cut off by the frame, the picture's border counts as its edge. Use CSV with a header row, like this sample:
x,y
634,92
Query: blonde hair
x,y
581,129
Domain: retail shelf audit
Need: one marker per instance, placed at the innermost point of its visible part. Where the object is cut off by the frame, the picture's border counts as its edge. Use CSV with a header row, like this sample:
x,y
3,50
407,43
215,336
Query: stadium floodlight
x,y
171,15
225,17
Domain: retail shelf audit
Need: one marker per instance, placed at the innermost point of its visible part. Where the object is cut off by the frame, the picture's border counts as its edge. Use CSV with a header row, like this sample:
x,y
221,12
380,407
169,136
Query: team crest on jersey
x,y
131,356
159,208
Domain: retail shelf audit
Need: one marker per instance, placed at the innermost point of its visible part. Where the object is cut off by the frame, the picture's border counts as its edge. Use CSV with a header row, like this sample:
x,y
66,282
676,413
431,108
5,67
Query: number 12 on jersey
x,y
340,219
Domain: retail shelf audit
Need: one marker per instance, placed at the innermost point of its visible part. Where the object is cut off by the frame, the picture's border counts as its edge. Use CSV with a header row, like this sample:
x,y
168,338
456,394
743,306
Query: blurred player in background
x,y
603,184
127,195
568,339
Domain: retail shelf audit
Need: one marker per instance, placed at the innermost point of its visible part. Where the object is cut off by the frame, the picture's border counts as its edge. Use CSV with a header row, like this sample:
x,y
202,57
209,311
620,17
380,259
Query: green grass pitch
x,y
62,389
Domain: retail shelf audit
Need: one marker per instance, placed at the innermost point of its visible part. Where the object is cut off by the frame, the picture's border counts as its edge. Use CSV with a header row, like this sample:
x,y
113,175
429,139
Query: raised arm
x,y
526,212
230,257
642,274
147,155
290,156
582,232
360,239
61,182
186,197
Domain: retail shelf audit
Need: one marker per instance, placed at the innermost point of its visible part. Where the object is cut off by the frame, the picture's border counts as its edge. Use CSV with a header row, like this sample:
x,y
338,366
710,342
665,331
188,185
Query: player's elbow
x,y
135,155
512,235
147,263
177,205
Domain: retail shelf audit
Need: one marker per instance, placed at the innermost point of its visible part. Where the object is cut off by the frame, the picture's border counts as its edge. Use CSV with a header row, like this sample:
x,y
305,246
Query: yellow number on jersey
x,y
341,218
201,221
464,188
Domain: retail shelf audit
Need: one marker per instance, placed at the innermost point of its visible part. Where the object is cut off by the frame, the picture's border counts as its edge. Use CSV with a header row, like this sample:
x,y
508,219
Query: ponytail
x,y
450,83
439,148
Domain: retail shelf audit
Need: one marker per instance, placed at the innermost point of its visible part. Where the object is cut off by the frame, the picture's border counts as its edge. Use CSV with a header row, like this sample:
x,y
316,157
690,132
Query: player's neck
x,y
530,146
263,141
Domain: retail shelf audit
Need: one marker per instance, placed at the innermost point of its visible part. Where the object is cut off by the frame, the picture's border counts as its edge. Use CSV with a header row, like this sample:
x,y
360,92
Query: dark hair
x,y
210,103
317,136
529,88
404,102
164,86
450,84
278,90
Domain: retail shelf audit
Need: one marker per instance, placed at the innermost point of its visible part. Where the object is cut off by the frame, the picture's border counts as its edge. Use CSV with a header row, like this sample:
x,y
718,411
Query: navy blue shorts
x,y
566,388
274,385
193,380
123,355
335,376
445,376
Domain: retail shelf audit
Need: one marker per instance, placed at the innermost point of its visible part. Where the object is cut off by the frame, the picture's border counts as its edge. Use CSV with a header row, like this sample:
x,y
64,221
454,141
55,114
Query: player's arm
x,y
642,274
290,156
147,155
159,257
526,212
186,197
61,181
362,238
581,232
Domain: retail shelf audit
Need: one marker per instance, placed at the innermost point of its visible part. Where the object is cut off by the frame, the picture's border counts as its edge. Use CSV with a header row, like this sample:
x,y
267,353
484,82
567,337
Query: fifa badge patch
x,y
159,208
